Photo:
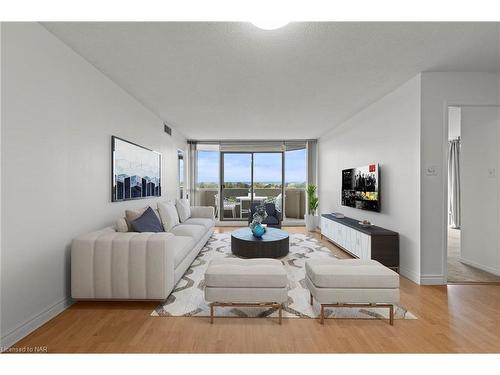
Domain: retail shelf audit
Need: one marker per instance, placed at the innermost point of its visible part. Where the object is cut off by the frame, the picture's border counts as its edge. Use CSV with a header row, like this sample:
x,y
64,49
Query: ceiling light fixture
x,y
270,24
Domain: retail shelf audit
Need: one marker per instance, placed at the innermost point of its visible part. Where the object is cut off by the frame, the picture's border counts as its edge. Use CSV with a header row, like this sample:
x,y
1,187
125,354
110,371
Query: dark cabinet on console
x,y
362,242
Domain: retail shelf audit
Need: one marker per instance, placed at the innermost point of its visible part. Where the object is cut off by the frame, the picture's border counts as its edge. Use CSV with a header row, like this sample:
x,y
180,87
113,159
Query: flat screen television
x,y
361,187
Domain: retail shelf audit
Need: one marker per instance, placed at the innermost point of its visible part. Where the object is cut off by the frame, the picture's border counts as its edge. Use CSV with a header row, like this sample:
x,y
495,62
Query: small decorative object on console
x,y
338,215
365,223
256,226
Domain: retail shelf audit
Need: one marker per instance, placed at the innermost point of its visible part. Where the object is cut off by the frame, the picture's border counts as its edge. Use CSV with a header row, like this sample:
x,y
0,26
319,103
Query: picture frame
x,y
135,171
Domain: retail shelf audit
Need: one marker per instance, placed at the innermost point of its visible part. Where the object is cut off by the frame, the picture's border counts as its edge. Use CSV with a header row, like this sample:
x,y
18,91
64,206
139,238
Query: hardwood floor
x,y
457,318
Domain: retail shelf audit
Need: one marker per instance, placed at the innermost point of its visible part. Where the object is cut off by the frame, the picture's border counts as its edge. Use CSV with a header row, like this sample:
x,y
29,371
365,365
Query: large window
x,y
208,170
207,177
296,168
252,172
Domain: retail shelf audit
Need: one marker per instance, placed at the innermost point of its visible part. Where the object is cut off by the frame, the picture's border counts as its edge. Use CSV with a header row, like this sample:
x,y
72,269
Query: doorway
x,y
180,175
473,253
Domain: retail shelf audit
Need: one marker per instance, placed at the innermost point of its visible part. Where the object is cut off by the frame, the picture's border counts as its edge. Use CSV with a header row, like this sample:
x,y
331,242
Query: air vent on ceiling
x,y
167,128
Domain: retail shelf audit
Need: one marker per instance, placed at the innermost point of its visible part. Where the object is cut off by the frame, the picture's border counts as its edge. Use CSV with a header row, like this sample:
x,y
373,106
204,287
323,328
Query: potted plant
x,y
311,218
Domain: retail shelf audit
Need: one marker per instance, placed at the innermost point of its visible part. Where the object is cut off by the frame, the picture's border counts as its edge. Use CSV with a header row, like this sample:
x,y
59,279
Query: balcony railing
x,y
295,200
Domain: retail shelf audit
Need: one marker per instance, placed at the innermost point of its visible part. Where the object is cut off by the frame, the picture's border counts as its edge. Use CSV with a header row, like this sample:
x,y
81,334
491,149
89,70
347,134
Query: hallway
x,y
459,272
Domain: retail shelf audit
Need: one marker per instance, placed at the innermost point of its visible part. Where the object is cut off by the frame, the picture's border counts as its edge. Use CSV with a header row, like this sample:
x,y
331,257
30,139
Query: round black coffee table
x,y
273,244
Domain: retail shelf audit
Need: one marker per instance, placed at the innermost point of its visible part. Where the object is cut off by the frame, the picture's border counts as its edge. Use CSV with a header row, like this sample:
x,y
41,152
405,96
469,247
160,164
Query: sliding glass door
x,y
236,188
230,176
268,178
247,178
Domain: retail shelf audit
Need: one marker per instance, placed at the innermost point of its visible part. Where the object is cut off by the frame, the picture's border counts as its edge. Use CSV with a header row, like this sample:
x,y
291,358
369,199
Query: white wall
x,y
440,90
386,132
58,115
480,164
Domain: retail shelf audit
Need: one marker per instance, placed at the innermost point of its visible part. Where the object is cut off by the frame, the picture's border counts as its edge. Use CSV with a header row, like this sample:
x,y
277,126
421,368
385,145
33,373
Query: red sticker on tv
x,y
372,167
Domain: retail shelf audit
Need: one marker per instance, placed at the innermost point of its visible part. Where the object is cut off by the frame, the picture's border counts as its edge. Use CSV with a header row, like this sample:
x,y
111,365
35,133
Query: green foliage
x,y
237,185
208,185
267,185
295,185
312,198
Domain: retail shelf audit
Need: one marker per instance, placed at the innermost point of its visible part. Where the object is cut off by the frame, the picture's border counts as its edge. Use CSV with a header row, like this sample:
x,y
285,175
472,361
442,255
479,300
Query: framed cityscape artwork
x,y
136,171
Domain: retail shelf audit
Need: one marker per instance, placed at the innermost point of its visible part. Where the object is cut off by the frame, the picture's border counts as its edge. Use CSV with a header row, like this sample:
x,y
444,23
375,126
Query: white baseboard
x,y
34,323
422,279
409,274
471,263
432,280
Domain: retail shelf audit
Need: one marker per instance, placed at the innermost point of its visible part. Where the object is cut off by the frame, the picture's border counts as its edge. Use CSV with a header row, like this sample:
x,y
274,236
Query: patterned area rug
x,y
187,299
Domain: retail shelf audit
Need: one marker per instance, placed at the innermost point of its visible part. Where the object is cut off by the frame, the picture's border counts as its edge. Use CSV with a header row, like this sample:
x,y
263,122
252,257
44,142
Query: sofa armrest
x,y
113,265
203,212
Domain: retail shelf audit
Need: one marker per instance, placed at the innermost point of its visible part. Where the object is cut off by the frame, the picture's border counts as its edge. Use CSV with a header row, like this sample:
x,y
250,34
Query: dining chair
x,y
228,206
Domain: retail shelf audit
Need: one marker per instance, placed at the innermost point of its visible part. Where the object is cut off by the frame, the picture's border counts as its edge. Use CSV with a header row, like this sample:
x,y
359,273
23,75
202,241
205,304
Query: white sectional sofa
x,y
112,265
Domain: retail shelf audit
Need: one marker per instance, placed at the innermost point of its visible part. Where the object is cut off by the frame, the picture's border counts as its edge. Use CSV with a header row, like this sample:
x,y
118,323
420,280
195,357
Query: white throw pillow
x,y
278,203
183,209
121,225
168,215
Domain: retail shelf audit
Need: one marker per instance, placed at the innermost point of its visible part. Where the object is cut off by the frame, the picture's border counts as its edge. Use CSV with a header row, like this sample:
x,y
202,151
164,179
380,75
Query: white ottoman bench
x,y
352,283
246,282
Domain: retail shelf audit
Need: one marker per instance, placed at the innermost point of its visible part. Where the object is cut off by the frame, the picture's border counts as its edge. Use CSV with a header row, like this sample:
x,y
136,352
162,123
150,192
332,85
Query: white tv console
x,y
362,242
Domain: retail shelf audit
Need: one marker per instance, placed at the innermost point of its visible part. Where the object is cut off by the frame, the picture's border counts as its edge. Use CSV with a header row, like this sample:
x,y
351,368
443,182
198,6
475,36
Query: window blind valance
x,y
261,146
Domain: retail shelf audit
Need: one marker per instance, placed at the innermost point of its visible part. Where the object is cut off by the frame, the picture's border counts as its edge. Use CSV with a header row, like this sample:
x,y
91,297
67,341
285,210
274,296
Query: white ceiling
x,y
234,81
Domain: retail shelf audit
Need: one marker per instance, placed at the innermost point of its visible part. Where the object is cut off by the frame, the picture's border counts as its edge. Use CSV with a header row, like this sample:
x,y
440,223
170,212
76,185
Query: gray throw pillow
x,y
147,222
131,215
